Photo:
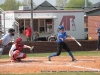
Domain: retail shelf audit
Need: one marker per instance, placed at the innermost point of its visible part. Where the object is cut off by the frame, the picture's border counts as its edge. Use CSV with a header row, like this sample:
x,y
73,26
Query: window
x,y
49,25
42,29
21,26
85,29
86,33
45,25
42,26
27,23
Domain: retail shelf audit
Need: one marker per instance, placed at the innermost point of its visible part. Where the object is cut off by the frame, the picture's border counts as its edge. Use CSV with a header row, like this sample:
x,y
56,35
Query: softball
x,y
90,38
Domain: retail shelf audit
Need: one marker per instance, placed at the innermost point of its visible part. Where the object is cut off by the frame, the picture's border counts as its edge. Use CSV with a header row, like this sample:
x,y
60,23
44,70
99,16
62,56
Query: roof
x,y
93,9
45,6
44,11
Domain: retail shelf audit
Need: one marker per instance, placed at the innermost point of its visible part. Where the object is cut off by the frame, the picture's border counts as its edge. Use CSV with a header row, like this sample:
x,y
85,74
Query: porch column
x,y
24,24
32,20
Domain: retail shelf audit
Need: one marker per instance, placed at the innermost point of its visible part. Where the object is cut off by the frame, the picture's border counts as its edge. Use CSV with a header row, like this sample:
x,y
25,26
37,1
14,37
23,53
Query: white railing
x,y
10,18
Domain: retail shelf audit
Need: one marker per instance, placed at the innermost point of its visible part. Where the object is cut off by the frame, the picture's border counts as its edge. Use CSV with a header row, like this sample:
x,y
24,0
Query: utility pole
x,y
32,20
4,23
86,3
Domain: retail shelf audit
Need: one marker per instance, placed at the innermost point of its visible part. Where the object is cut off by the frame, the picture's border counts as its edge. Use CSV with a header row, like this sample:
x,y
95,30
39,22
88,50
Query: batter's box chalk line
x,y
82,67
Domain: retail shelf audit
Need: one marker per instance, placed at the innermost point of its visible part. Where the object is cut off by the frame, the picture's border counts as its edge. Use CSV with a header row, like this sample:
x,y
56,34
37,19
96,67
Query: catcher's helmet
x,y
18,40
11,30
61,27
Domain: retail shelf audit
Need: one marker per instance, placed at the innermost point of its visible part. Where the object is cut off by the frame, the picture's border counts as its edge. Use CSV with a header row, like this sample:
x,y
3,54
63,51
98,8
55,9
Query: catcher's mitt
x,y
32,49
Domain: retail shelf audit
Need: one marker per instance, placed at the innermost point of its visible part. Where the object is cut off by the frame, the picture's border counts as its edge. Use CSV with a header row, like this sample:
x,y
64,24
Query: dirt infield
x,y
58,64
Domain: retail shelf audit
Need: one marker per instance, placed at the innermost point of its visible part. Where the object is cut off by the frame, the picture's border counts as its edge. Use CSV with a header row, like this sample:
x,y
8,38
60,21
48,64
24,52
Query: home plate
x,y
11,64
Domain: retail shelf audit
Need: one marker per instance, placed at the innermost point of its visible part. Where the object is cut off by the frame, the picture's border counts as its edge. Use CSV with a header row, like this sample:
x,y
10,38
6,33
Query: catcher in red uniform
x,y
15,51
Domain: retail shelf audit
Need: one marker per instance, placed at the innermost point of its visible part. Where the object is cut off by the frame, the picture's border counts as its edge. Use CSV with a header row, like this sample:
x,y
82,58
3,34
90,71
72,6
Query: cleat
x,y
73,59
49,58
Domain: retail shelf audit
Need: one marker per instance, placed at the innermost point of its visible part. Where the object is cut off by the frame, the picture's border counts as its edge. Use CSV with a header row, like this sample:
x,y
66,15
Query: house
x,y
45,21
92,19
45,6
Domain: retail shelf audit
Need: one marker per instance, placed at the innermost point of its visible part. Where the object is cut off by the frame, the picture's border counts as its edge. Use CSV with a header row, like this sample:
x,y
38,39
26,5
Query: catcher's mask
x,y
19,41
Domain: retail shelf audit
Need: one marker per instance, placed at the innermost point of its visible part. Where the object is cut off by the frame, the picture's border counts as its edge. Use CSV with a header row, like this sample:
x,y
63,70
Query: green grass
x,y
60,73
75,53
86,53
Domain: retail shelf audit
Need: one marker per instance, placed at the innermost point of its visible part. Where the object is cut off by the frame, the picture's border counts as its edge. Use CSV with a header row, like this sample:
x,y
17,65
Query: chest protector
x,y
19,47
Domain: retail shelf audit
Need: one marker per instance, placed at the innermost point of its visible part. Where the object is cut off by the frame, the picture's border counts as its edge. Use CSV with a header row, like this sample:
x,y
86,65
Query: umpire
x,y
5,40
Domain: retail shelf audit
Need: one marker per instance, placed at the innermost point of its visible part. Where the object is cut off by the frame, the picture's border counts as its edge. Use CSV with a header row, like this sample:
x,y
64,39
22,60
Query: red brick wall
x,y
93,21
43,47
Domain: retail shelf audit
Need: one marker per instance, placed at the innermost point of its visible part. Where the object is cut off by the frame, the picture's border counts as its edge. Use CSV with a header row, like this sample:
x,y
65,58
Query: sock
x,y
52,55
70,53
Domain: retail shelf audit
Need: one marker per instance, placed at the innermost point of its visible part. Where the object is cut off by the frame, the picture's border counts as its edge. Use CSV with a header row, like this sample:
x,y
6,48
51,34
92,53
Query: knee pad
x,y
17,52
24,56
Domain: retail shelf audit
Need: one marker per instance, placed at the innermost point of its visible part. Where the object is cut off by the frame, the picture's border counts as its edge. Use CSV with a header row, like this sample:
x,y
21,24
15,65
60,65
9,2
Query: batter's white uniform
x,y
13,48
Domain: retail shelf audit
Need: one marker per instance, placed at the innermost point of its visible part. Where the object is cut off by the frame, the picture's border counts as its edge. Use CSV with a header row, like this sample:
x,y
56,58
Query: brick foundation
x,y
44,47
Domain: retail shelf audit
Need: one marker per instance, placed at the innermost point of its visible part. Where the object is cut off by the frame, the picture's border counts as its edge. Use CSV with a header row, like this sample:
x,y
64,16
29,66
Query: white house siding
x,y
57,16
79,22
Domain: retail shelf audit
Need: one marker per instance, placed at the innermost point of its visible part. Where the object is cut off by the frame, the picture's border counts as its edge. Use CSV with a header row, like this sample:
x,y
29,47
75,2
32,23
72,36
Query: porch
x,y
44,26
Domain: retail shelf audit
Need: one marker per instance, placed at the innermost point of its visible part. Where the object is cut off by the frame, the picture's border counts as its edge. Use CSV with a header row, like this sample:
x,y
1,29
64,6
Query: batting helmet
x,y
61,27
11,30
18,40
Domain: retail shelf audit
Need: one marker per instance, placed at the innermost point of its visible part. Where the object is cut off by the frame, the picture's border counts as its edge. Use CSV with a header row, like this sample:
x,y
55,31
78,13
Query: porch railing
x,y
3,27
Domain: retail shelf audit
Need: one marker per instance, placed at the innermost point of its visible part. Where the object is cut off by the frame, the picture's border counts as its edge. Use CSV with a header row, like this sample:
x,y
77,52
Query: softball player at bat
x,y
15,51
5,40
62,35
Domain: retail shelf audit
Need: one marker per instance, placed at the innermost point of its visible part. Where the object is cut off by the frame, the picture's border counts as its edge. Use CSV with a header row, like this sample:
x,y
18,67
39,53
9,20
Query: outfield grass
x,y
62,73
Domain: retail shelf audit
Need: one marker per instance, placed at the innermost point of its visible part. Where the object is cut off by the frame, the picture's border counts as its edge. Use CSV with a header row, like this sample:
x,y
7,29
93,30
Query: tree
x,y
26,2
18,4
1,6
76,4
61,3
11,5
